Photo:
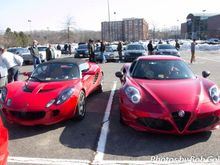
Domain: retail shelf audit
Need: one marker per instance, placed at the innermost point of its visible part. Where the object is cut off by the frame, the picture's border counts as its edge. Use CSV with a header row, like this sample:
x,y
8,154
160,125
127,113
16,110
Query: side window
x,y
132,67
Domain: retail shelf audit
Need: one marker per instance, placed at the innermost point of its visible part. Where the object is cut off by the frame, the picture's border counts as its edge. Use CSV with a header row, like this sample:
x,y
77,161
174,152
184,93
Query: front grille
x,y
28,115
203,122
181,121
158,124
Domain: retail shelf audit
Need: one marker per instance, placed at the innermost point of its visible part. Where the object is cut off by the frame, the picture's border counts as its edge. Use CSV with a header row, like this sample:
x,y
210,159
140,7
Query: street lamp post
x,y
29,21
109,21
177,28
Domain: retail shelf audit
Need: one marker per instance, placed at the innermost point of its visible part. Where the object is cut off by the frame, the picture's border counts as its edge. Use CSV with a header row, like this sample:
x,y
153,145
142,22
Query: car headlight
x,y
3,94
64,95
133,94
214,94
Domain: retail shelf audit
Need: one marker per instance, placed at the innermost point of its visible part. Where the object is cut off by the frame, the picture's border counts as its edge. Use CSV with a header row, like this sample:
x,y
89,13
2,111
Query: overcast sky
x,y
88,14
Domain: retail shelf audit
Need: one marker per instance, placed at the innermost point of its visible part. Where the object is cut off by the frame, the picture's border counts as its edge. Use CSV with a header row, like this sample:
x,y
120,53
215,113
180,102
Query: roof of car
x,y
159,57
67,60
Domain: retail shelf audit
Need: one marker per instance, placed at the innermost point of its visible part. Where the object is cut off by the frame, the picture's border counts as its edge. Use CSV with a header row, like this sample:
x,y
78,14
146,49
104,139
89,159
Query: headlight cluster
x,y
214,94
133,94
62,97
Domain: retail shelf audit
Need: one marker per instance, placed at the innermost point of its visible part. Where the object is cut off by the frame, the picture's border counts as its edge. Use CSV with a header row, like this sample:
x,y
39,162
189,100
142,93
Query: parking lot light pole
x,y
109,20
29,21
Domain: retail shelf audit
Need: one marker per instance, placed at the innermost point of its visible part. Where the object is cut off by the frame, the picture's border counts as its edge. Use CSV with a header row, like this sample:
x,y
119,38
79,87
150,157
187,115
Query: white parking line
x,y
208,59
104,131
44,161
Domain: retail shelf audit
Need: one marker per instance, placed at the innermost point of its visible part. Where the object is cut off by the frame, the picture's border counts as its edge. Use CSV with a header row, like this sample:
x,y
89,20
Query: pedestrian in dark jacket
x,y
91,50
50,53
119,49
150,48
102,50
35,54
177,45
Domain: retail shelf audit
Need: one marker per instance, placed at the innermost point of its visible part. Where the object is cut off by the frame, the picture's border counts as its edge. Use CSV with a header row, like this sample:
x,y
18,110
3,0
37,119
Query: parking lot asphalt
x,y
98,141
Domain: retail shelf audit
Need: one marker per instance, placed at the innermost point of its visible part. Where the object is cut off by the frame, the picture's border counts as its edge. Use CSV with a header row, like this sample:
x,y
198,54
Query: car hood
x,y
36,94
187,93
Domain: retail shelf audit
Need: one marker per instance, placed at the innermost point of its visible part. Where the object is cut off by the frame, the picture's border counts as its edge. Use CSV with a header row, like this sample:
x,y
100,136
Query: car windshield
x,y
42,48
135,47
55,72
162,70
82,47
108,49
165,47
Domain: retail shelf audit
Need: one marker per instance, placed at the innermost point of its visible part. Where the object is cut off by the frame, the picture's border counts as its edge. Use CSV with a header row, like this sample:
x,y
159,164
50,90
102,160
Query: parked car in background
x,y
166,49
82,51
109,53
42,51
23,52
213,41
60,87
161,94
133,51
3,143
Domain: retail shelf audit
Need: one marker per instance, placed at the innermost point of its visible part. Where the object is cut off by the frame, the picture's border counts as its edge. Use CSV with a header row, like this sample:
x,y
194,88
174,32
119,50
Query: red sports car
x,y
55,91
161,94
3,144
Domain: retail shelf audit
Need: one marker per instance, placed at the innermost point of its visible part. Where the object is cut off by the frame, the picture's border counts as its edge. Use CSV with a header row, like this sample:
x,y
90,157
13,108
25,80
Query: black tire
x,y
81,107
100,87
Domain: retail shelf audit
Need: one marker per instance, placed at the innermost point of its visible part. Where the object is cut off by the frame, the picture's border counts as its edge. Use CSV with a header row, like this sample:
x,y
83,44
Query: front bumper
x,y
41,115
144,119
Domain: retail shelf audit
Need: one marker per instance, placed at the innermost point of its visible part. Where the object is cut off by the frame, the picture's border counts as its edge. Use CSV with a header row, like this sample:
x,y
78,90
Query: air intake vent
x,y
181,120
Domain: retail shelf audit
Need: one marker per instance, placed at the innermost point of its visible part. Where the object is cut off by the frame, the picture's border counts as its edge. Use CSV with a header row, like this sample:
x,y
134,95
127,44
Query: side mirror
x,y
119,74
205,74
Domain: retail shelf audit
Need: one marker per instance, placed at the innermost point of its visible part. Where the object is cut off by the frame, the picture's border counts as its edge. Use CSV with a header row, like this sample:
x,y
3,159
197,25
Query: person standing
x,y
3,70
69,49
35,54
50,53
150,48
119,49
12,63
193,47
91,50
58,47
177,45
102,50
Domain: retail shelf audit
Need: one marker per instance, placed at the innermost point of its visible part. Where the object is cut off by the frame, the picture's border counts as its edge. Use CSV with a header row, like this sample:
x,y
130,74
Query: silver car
x,y
23,52
109,53
166,49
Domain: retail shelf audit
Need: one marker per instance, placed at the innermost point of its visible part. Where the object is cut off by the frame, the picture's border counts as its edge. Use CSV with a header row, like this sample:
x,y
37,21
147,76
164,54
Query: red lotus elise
x,y
3,144
55,91
161,94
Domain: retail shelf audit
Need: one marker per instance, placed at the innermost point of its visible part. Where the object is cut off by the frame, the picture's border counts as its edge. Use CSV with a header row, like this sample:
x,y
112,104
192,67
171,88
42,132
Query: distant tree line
x,y
23,39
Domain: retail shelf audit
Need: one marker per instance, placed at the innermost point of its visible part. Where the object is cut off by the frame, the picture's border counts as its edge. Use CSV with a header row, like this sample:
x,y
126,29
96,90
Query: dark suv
x,y
82,51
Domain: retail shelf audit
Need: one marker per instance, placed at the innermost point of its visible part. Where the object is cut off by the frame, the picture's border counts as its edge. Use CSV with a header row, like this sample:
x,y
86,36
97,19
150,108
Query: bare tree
x,y
69,24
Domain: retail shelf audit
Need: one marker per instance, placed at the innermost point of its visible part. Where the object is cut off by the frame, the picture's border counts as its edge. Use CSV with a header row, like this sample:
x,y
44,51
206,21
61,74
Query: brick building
x,y
132,29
